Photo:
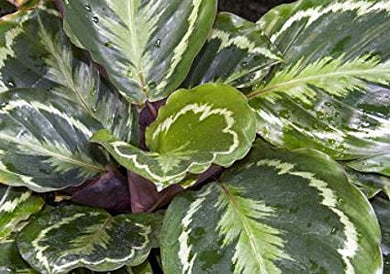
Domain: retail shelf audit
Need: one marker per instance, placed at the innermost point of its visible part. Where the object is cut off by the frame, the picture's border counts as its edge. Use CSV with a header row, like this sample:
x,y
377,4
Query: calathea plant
x,y
222,145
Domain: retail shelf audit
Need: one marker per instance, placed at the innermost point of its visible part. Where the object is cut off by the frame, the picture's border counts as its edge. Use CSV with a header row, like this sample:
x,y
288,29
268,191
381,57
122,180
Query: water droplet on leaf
x,y
95,19
88,8
334,230
152,85
108,44
11,84
157,44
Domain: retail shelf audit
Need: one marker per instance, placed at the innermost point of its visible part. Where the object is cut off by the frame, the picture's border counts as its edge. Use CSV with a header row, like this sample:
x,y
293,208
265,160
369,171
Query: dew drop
x,y
152,85
11,84
88,8
340,201
108,44
285,114
95,19
157,44
337,114
333,231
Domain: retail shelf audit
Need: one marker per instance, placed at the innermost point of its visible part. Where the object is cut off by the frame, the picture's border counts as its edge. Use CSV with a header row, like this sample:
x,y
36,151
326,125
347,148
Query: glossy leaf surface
x,y
332,92
73,236
37,54
275,212
146,46
236,53
44,141
382,210
370,183
16,206
193,130
10,260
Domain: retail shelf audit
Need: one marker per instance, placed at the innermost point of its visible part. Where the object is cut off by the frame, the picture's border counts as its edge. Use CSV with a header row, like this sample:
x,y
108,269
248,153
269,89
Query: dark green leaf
x,y
208,124
382,210
10,260
73,236
275,212
147,47
370,183
332,92
236,53
37,54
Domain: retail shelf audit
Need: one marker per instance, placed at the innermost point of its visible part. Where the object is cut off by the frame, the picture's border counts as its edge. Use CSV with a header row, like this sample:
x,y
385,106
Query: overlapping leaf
x,y
45,128
147,46
208,124
10,260
370,183
16,206
44,141
332,92
382,210
37,54
275,212
236,53
72,236
143,268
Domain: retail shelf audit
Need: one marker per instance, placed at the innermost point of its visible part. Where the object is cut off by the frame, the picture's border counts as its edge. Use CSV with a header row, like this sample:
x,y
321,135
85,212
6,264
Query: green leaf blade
x,y
331,93
90,238
195,129
275,212
236,53
143,38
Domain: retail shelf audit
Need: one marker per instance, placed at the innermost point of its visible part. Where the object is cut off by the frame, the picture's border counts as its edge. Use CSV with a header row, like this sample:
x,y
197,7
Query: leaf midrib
x,y
246,227
298,80
67,75
51,153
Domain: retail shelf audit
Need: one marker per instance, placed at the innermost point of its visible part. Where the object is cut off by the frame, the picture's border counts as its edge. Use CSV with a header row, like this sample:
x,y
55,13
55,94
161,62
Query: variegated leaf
x,y
73,236
36,53
332,91
382,210
44,141
379,163
10,260
236,53
16,206
144,268
275,212
369,183
147,46
195,129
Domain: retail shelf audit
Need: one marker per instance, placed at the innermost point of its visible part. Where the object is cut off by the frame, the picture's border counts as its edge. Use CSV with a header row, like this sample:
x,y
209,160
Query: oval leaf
x,y
36,53
276,212
147,47
195,129
16,206
89,238
44,141
236,53
332,92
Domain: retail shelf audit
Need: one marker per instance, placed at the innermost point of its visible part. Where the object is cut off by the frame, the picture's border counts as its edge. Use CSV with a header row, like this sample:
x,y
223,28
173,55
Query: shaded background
x,y
249,9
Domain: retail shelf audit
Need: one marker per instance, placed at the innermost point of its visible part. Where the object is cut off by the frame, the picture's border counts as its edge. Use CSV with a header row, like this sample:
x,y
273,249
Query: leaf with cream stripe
x,y
44,141
194,130
332,91
16,206
147,46
89,238
274,212
37,54
236,53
